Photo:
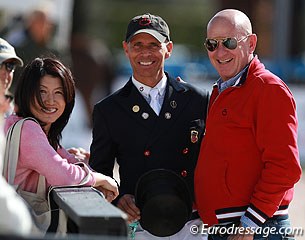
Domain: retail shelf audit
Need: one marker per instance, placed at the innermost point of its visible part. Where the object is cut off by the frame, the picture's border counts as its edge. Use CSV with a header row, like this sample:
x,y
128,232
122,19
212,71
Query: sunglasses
x,y
9,66
230,43
9,97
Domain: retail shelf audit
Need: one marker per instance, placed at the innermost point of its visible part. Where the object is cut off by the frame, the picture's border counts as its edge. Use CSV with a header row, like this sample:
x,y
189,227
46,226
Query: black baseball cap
x,y
164,200
148,23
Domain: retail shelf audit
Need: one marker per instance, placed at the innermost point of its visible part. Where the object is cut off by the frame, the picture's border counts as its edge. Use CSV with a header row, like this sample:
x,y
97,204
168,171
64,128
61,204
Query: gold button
x,y
135,108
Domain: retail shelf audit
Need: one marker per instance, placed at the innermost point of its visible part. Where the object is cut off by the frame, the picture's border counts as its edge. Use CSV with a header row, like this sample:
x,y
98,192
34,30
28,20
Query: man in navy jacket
x,y
127,128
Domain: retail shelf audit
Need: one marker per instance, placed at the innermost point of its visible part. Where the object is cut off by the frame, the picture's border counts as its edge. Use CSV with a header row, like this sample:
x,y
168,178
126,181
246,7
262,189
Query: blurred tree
x,y
297,29
108,19
92,61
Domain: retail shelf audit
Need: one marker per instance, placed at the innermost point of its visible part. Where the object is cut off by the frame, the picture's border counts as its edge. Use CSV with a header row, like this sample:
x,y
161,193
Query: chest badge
x,y
194,136
173,104
145,115
167,115
135,108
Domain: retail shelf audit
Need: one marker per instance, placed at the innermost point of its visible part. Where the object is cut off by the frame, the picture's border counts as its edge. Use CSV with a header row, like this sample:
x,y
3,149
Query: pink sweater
x,y
36,156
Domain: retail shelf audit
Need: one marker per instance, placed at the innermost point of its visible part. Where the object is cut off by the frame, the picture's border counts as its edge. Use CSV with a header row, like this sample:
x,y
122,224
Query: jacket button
x,y
185,151
184,173
147,153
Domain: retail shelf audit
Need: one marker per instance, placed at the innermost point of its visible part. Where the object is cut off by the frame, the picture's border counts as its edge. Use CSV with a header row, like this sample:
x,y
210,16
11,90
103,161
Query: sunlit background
x,y
87,35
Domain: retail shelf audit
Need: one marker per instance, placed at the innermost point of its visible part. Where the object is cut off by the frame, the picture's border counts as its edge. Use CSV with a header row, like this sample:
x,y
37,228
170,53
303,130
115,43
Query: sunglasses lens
x,y
230,43
9,97
10,67
211,44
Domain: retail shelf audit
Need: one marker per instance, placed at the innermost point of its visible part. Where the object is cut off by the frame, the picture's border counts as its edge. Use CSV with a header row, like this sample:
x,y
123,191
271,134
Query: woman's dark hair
x,y
28,89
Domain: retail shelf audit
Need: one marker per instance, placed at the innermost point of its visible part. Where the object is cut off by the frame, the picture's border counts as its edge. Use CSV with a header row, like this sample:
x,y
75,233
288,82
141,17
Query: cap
x,y
7,51
164,200
148,23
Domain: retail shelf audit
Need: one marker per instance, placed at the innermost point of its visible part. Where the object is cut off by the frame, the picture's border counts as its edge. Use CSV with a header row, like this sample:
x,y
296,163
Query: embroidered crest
x,y
194,136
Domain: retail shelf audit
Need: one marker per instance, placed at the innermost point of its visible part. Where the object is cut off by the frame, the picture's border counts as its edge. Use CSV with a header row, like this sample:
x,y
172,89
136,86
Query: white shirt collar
x,y
144,89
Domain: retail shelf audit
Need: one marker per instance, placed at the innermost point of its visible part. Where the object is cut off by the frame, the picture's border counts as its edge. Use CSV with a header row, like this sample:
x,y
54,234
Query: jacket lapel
x,y
135,105
176,99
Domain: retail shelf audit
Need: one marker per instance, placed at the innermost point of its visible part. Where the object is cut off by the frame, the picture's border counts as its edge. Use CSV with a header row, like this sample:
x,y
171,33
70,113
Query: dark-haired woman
x,y
46,92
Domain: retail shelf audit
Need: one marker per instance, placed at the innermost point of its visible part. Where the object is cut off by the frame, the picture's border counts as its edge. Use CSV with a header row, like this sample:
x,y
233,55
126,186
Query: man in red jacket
x,y
248,162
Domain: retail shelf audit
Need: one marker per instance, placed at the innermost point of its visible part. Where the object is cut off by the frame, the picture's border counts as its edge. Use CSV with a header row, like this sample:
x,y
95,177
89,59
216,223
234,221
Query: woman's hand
x,y
106,185
80,153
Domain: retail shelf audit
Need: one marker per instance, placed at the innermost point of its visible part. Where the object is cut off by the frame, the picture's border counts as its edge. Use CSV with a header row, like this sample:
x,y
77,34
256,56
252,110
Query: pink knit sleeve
x,y
65,154
37,154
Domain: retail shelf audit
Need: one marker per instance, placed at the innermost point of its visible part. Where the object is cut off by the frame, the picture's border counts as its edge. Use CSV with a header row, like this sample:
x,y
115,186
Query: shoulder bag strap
x,y
12,153
6,152
41,187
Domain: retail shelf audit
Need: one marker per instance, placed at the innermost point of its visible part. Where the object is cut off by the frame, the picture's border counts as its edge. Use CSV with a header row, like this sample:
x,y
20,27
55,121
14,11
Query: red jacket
x,y
249,162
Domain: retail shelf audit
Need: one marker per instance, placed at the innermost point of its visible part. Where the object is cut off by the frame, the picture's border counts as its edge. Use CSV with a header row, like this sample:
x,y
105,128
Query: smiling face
x,y
229,62
147,56
52,96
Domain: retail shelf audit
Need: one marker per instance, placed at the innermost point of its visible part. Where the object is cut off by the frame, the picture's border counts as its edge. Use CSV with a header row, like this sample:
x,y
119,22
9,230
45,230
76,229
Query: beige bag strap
x,y
41,187
6,153
11,155
12,151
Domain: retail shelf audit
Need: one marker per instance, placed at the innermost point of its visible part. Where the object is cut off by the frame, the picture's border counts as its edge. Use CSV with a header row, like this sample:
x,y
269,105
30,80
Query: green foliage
x,y
108,19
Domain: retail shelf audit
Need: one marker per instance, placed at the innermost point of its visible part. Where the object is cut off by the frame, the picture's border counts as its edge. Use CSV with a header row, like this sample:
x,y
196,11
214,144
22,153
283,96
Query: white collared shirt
x,y
144,89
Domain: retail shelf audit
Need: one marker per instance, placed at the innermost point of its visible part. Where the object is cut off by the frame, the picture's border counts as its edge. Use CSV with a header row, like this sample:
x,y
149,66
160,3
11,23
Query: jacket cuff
x,y
255,215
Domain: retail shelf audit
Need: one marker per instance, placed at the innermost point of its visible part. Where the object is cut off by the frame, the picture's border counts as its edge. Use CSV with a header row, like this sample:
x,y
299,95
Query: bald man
x,y
249,161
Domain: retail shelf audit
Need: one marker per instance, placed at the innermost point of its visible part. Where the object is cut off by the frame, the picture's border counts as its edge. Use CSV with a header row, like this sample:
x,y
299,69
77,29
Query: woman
x,y
45,91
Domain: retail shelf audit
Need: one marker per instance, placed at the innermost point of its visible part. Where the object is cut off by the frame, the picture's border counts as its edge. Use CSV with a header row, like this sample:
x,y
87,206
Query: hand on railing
x,y
106,185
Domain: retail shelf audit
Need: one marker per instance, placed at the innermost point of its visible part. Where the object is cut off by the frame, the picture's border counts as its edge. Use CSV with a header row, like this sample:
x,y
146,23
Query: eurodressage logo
x,y
233,230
